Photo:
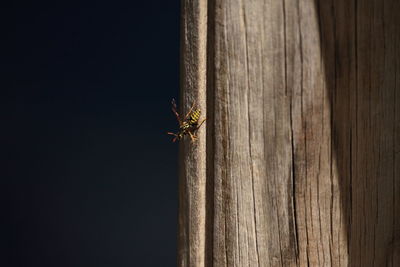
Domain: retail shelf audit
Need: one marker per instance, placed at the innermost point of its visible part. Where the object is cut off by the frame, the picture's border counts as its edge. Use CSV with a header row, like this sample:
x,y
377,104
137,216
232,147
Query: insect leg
x,y
200,124
192,136
176,136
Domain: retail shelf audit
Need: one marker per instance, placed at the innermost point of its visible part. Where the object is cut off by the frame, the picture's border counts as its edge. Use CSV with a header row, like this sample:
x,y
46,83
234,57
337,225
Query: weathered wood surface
x,y
192,194
300,165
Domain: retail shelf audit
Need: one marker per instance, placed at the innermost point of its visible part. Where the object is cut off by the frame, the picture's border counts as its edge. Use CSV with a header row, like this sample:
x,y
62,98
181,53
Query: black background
x,y
89,176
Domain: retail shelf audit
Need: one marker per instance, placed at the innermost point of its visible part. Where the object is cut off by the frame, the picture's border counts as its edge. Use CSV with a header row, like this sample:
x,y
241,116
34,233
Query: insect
x,y
188,125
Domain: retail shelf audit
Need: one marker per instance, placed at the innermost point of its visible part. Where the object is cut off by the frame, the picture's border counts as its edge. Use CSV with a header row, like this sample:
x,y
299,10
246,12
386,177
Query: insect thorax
x,y
185,125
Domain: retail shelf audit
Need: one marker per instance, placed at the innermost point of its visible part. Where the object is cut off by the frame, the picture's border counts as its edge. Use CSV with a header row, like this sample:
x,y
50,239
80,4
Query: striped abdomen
x,y
194,117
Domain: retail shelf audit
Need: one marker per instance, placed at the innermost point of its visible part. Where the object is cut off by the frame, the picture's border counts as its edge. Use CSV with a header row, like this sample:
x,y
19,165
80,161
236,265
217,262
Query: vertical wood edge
x,y
192,159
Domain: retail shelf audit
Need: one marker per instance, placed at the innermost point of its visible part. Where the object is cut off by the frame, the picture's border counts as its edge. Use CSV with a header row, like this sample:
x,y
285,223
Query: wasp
x,y
188,125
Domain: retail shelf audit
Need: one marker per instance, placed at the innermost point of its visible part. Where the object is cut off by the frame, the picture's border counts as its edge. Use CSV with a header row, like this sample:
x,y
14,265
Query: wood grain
x,y
192,194
300,163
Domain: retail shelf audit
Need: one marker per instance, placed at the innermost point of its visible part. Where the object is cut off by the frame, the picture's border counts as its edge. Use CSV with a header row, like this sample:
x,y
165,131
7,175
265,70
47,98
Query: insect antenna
x,y
190,111
174,110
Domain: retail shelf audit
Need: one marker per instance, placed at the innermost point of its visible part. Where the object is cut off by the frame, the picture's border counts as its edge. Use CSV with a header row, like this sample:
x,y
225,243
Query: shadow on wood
x,y
360,46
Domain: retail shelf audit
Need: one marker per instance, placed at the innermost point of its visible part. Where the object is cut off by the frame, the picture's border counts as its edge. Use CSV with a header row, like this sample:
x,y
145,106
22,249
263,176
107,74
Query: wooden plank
x,y
192,194
300,163
272,169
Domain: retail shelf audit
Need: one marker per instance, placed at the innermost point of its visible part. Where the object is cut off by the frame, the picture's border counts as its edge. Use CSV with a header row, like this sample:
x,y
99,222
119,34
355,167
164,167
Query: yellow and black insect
x,y
188,125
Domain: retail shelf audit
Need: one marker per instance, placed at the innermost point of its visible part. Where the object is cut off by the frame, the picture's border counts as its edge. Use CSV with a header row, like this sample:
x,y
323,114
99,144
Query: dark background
x,y
89,177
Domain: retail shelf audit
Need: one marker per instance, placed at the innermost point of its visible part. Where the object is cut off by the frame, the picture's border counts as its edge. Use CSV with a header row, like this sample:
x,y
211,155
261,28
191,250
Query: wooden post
x,y
298,163
192,185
